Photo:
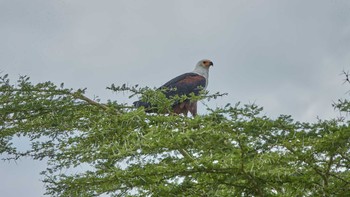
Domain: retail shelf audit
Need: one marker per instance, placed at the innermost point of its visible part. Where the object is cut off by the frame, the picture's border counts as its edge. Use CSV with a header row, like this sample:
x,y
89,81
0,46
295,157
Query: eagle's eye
x,y
204,62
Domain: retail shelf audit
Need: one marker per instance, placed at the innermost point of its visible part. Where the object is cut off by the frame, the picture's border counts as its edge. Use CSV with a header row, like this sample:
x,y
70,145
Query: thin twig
x,y
186,154
80,96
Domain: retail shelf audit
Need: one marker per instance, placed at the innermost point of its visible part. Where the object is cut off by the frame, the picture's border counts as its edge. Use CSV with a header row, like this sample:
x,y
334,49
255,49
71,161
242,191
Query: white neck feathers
x,y
199,69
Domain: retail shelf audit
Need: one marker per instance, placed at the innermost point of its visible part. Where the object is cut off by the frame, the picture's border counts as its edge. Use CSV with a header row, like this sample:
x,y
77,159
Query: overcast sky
x,y
286,56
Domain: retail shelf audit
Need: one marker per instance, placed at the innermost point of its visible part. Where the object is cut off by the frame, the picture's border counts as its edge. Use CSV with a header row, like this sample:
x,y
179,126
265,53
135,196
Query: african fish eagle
x,y
185,84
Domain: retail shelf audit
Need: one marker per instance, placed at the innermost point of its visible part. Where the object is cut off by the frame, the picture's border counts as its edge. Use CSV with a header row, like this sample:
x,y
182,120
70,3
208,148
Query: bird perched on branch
x,y
185,84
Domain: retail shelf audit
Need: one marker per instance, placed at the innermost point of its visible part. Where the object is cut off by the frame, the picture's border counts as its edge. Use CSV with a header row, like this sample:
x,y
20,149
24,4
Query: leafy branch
x,y
93,148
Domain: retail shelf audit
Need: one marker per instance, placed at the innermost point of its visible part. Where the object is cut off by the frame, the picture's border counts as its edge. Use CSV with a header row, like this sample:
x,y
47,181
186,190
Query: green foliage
x,y
93,148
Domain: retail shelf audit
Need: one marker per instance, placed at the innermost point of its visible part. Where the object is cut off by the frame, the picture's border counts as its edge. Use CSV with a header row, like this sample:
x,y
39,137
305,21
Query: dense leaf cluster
x,y
93,149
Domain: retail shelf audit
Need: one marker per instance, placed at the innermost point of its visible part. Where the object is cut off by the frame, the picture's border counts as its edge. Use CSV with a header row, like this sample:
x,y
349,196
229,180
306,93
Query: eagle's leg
x,y
181,108
193,108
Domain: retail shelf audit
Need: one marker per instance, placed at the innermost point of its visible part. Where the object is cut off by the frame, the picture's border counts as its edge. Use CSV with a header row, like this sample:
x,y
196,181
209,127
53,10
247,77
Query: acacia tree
x,y
93,148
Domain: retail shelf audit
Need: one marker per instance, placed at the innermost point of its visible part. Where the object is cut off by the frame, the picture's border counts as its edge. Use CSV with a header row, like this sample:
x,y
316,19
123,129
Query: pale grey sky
x,y
283,55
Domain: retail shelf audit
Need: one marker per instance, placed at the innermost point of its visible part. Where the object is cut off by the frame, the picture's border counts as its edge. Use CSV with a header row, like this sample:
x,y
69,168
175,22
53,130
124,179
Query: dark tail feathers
x,y
141,104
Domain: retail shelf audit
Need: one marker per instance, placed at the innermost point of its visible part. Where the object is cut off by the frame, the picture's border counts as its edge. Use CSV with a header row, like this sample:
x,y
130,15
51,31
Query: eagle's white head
x,y
205,63
202,68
